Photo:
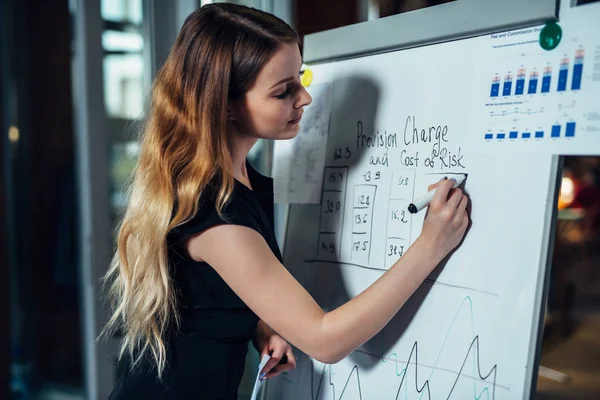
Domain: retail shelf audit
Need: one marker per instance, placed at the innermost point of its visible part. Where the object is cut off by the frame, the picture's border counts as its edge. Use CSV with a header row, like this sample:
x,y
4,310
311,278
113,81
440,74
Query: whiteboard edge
x,y
541,295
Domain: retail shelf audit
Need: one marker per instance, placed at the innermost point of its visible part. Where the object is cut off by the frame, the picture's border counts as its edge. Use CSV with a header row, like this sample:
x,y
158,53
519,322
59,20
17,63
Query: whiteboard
x,y
400,121
473,318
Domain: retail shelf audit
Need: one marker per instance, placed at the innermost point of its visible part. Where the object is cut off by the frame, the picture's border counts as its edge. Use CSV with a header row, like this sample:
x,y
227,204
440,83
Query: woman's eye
x,y
284,94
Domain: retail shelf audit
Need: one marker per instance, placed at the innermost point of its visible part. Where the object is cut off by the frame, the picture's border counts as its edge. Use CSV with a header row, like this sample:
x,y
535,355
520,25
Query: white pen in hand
x,y
424,200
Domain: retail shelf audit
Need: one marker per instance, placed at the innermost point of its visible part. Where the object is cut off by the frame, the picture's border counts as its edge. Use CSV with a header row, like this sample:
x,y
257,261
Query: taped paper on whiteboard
x,y
299,163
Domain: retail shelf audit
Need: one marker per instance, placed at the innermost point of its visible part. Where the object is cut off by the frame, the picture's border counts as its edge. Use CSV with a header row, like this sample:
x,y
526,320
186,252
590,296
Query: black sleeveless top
x,y
205,359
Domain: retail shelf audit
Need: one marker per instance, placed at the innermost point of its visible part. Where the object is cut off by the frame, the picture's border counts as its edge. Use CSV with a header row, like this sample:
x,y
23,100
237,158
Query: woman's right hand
x,y
447,219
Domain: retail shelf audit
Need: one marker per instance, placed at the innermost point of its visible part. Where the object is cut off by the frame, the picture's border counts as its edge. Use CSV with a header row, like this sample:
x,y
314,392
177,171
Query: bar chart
x,y
577,70
533,82
555,131
546,79
520,81
562,75
495,86
505,85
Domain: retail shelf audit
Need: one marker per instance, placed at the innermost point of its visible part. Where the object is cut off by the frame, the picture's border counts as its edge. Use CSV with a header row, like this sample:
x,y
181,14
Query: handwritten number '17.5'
x,y
362,246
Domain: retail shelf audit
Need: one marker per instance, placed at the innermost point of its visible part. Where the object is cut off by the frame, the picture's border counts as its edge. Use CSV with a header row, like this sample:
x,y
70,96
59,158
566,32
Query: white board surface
x,y
399,122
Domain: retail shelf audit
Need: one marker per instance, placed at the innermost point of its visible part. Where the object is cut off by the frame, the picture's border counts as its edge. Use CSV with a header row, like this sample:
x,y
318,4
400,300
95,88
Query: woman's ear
x,y
230,116
231,112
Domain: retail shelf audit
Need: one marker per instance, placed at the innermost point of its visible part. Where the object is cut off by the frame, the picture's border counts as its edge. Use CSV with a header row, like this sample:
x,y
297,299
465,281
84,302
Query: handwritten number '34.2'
x,y
396,250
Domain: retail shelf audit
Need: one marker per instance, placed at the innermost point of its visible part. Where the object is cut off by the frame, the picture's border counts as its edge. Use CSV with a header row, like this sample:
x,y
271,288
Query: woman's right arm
x,y
243,259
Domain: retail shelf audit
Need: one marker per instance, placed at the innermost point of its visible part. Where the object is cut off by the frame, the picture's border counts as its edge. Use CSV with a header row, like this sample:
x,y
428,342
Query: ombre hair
x,y
215,59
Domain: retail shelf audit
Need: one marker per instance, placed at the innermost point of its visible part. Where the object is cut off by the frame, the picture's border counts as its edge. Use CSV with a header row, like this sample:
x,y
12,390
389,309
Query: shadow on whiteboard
x,y
355,98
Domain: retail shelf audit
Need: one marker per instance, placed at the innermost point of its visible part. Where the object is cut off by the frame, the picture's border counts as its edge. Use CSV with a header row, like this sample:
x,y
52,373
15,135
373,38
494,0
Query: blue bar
x,y
577,69
506,88
500,136
525,135
562,79
570,129
555,131
539,134
520,86
495,90
513,134
532,86
489,136
546,84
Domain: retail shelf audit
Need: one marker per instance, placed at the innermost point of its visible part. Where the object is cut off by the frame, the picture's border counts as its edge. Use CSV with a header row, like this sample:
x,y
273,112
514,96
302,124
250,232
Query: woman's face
x,y
273,106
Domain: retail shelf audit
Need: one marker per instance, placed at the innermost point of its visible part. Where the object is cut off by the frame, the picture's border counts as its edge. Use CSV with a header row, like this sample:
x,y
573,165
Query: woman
x,y
197,273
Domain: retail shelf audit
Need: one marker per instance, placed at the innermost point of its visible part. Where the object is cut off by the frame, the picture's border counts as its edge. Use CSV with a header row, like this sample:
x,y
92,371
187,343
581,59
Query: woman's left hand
x,y
275,346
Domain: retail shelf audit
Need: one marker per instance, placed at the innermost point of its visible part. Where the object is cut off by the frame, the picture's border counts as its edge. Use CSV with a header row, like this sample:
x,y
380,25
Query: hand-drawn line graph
x,y
487,393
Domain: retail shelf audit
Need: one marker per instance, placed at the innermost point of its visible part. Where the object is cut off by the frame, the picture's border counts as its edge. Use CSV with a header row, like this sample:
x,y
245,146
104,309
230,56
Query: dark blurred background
x,y
74,78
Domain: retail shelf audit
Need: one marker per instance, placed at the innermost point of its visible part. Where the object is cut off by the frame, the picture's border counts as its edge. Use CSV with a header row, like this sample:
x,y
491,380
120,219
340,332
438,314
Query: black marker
x,y
424,200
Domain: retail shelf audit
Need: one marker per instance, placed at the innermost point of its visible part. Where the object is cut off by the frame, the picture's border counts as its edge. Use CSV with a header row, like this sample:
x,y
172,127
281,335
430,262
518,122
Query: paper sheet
x,y
299,163
258,383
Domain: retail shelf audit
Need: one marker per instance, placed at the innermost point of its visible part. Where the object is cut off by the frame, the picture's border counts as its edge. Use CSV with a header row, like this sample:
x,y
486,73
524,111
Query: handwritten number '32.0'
x,y
332,207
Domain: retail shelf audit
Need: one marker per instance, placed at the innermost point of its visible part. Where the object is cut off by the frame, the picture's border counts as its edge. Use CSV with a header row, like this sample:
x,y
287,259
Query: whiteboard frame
x,y
545,270
460,19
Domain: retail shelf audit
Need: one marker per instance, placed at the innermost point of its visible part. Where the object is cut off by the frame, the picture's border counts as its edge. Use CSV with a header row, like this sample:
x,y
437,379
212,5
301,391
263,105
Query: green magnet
x,y
550,36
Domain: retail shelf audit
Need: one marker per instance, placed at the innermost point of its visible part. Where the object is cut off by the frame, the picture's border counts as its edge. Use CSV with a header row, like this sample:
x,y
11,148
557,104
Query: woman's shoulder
x,y
239,209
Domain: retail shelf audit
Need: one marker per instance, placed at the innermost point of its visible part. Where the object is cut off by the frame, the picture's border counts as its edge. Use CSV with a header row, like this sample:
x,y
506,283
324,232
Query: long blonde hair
x,y
215,59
